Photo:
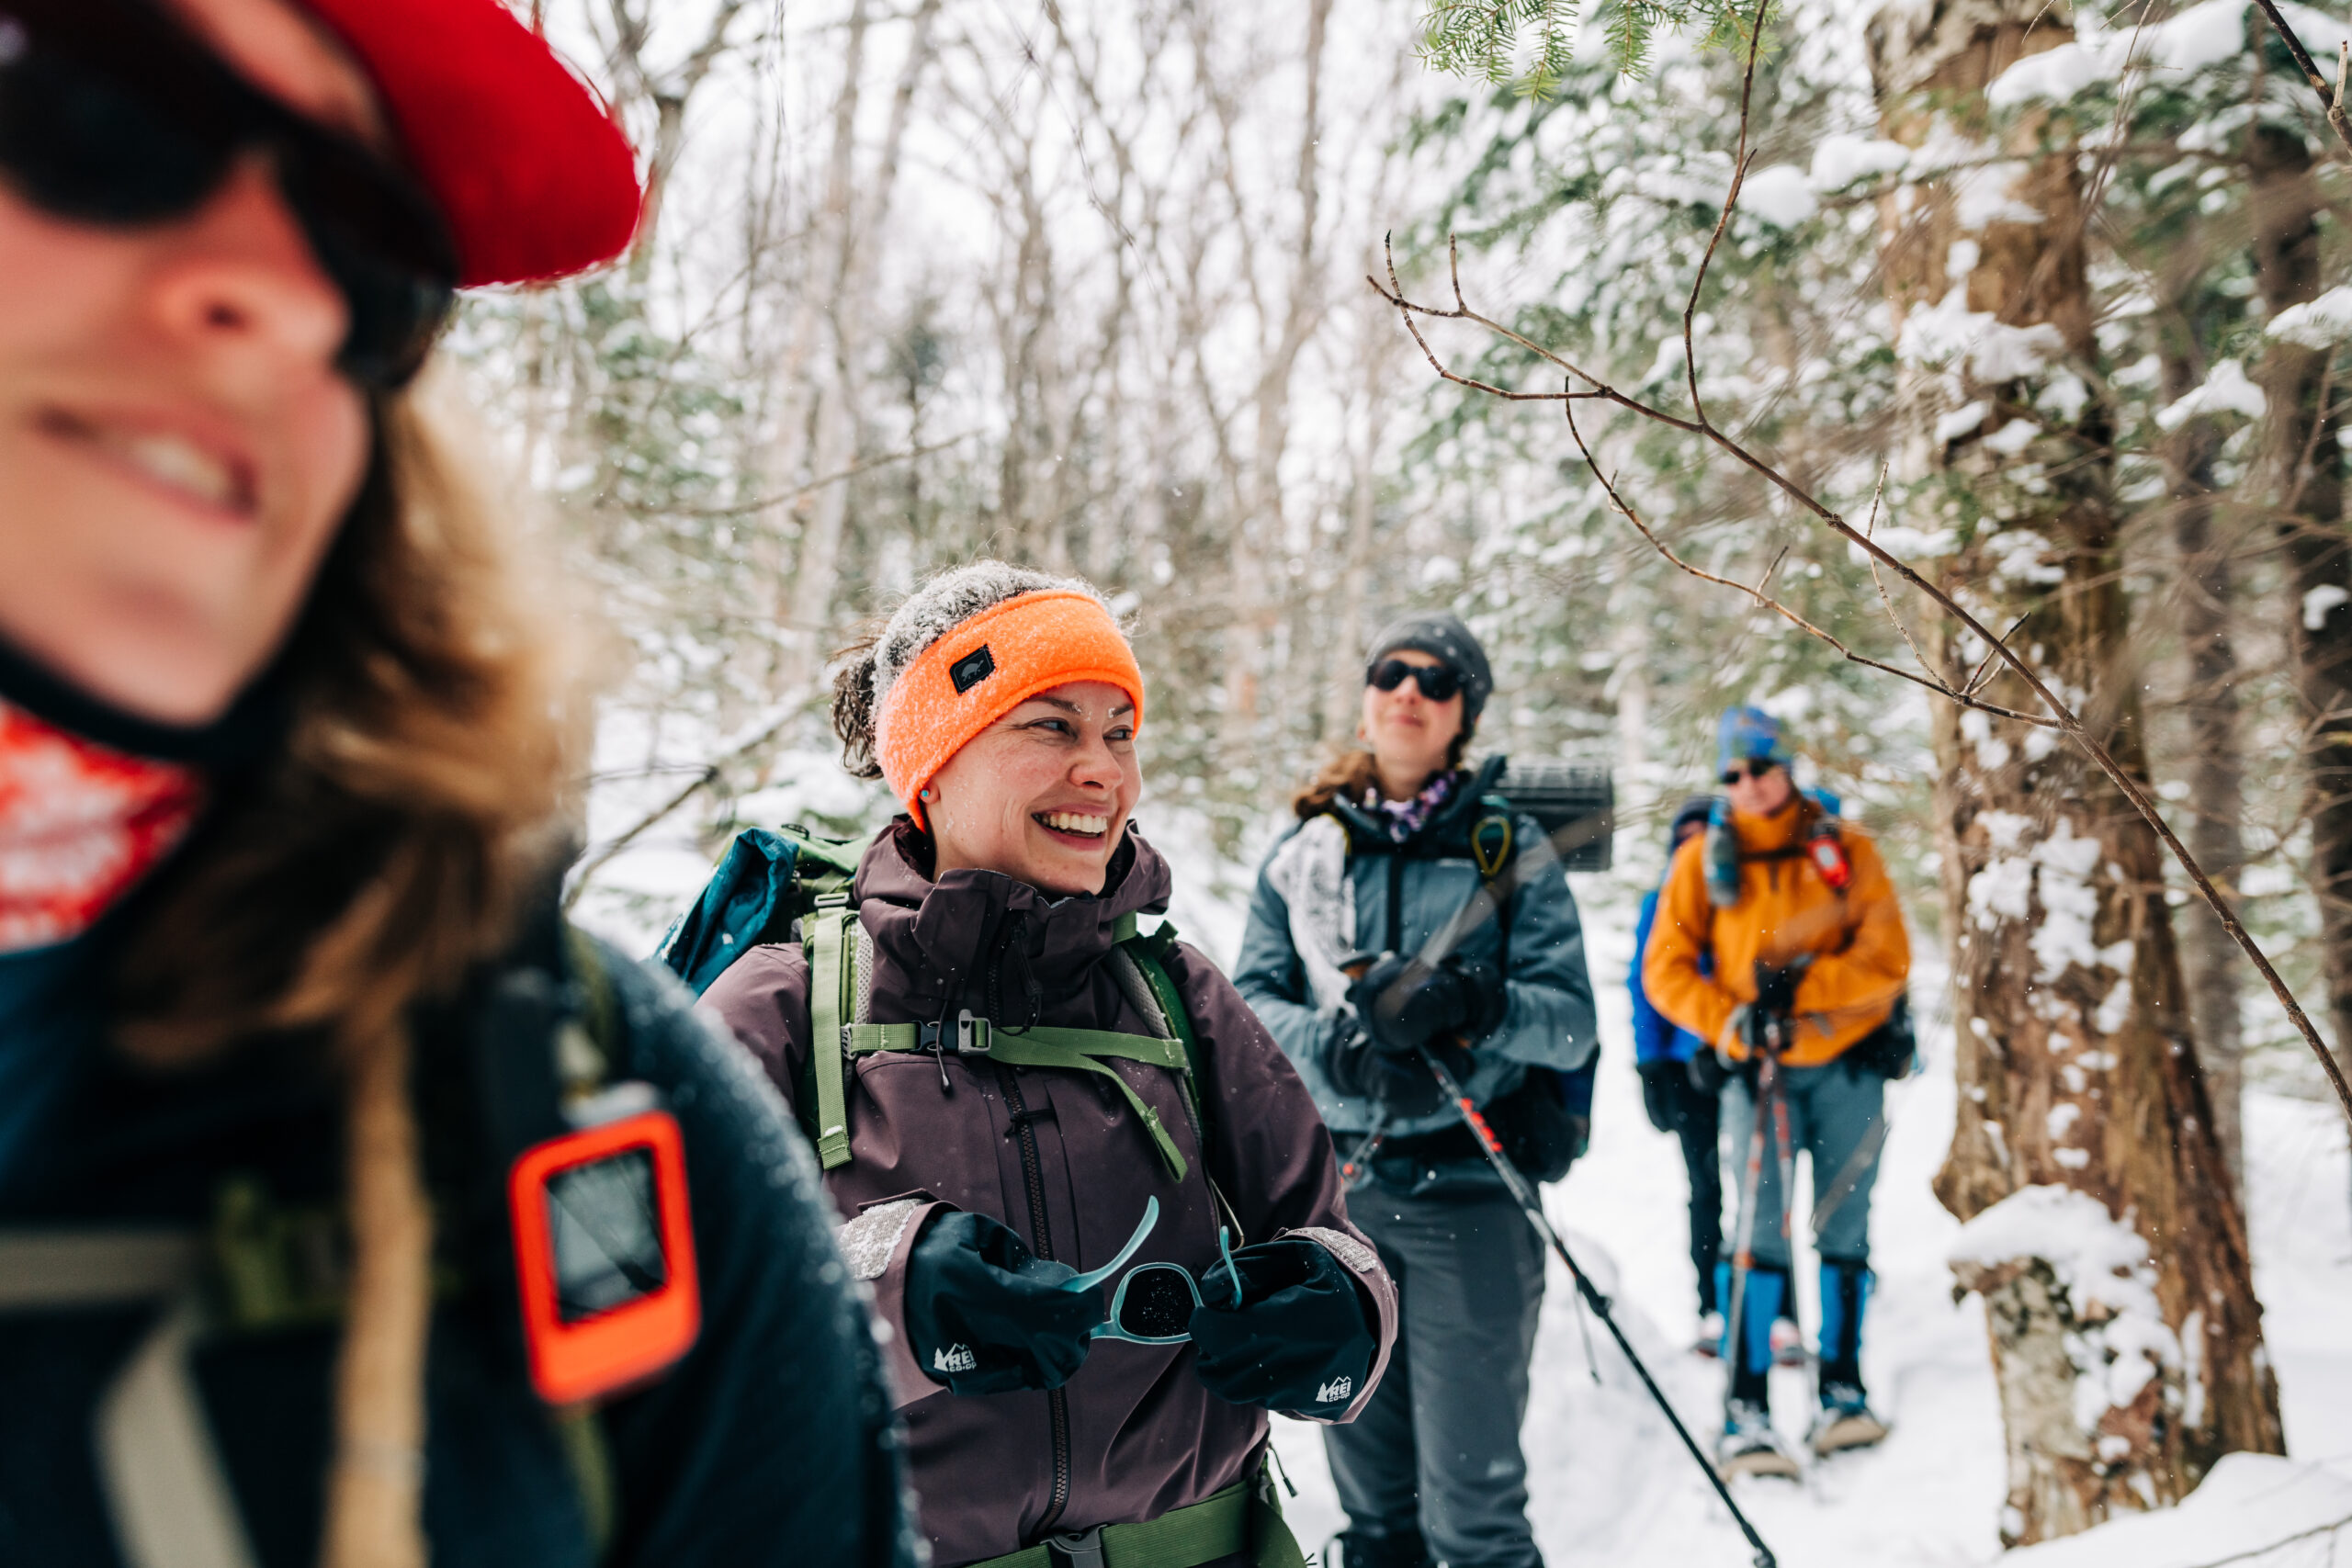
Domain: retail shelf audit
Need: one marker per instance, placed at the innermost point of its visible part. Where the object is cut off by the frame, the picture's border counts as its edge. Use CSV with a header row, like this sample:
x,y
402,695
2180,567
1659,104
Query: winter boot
x,y
1846,1420
1710,1342
1353,1549
1750,1445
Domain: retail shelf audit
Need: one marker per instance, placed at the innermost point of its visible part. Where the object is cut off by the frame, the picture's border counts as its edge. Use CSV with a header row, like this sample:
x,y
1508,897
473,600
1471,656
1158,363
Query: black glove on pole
x,y
1298,1342
1531,1204
1400,1007
986,1316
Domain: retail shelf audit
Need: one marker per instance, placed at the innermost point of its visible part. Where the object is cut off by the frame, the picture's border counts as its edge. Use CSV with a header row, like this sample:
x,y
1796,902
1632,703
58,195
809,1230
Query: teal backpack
x,y
793,884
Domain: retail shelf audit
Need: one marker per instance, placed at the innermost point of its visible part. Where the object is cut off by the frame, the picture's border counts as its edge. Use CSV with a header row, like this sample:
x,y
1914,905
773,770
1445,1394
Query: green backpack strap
x,y
1150,953
829,932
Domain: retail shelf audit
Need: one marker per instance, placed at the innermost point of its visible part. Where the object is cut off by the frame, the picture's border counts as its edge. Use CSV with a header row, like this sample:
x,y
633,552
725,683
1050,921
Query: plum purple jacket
x,y
1060,1158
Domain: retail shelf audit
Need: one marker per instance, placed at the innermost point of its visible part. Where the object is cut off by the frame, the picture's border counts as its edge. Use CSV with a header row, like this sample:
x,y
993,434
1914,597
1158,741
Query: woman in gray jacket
x,y
1411,908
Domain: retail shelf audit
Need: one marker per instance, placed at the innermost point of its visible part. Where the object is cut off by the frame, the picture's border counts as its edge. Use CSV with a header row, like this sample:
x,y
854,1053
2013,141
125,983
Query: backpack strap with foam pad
x,y
828,935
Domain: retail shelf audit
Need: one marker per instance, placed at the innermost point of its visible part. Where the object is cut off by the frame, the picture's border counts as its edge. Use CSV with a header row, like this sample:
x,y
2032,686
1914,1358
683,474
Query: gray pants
x,y
1436,1449
1834,1111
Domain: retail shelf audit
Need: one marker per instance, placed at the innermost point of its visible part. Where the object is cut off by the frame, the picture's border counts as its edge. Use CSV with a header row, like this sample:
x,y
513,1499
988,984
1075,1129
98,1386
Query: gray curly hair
x,y
873,663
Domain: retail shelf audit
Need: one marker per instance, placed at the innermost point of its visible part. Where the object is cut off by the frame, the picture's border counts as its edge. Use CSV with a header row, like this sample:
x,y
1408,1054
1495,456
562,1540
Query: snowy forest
x,y
1964,382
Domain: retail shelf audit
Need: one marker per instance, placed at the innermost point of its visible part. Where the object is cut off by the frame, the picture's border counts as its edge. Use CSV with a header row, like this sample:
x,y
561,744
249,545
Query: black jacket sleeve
x,y
773,1441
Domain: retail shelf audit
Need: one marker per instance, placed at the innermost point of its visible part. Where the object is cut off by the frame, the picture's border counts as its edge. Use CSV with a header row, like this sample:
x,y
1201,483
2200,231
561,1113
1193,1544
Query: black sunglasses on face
x,y
1756,768
112,113
1437,681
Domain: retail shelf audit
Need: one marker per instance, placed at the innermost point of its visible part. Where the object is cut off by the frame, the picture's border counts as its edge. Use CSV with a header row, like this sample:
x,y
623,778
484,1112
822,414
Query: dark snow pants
x,y
1675,1105
1436,1449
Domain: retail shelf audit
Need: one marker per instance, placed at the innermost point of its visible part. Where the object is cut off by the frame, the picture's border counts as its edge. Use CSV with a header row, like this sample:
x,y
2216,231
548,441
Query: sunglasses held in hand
x,y
112,113
1439,683
1154,1302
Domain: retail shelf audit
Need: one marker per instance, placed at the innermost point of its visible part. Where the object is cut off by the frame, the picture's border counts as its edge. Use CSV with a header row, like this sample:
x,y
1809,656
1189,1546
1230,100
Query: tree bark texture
x,y
2215,767
2306,465
2075,1062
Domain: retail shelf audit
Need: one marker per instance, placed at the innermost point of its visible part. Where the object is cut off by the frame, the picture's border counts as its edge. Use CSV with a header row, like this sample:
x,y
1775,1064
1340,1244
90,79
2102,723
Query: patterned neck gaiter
x,y
1406,817
79,823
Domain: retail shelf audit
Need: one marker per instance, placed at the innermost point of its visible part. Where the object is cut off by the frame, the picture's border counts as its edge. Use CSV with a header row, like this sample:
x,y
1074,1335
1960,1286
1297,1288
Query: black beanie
x,y
1441,635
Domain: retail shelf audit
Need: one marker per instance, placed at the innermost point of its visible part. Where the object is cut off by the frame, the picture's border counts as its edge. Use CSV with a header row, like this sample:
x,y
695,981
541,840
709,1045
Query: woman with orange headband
x,y
1028,1087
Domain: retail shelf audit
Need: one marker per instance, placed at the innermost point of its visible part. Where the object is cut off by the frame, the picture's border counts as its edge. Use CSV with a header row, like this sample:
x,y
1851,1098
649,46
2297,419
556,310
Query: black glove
x,y
1301,1341
1660,1090
1707,1072
1776,987
1404,1005
984,1317
1357,1065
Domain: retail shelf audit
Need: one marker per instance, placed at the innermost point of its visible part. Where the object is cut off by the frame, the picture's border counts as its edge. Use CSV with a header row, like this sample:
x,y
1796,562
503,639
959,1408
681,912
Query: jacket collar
x,y
1770,835
938,931
1369,830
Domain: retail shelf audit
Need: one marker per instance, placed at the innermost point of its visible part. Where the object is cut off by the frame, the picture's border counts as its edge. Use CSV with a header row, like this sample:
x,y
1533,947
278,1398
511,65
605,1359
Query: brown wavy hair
x,y
1354,773
380,853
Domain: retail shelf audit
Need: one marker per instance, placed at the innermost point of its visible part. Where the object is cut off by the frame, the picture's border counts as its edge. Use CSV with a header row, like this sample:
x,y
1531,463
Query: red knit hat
x,y
530,172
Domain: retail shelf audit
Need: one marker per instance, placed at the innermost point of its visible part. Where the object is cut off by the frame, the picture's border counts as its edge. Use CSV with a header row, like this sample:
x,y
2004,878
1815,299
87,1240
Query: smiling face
x,y
1409,735
1044,794
175,445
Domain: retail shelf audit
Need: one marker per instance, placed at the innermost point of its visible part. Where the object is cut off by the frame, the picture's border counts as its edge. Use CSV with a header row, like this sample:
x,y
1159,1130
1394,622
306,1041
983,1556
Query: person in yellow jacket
x,y
1778,940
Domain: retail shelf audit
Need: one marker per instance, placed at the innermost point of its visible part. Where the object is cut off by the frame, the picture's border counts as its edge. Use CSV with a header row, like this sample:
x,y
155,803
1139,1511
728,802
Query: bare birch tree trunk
x,y
2076,1065
2216,760
858,205
1257,530
2306,469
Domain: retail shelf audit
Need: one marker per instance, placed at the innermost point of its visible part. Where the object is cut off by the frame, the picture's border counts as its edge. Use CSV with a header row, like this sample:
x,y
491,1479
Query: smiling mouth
x,y
1073,825
162,459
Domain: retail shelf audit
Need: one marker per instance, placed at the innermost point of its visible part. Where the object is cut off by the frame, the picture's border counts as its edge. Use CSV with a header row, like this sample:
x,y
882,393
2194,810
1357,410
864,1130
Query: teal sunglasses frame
x,y
1109,1328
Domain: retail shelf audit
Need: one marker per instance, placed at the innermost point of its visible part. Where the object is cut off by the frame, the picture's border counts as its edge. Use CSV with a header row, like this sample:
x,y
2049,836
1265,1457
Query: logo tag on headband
x,y
972,669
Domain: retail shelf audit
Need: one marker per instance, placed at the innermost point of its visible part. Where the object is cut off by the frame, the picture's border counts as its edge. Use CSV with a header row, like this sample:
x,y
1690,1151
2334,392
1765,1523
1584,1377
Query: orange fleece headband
x,y
984,668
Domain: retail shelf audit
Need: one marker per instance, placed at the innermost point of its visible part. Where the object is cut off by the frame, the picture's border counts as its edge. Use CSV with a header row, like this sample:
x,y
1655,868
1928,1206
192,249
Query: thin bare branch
x,y
2331,100
2062,716
1624,509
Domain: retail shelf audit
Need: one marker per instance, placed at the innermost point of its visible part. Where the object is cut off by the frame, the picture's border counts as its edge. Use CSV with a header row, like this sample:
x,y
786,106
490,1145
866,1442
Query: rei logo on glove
x,y
954,1358
1335,1391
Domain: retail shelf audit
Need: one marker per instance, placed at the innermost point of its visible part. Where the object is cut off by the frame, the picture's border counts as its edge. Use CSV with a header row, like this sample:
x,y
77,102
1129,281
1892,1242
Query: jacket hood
x,y
940,929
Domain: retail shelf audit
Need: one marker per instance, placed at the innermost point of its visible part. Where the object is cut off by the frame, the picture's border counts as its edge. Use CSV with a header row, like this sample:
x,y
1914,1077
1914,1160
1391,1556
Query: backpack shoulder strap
x,y
830,933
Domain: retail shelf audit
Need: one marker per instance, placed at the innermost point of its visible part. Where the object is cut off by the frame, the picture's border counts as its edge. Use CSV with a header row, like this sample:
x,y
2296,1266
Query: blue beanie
x,y
1747,734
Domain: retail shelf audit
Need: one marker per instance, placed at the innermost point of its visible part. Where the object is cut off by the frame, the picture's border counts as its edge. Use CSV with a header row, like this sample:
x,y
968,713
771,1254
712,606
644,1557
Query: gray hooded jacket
x,y
1338,884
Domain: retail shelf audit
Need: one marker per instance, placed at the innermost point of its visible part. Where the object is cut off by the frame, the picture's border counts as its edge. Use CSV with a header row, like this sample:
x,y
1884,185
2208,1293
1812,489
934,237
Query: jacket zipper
x,y
1033,1169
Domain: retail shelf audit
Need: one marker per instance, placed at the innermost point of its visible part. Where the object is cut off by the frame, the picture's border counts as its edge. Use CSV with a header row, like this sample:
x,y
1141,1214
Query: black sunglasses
x,y
1754,768
1437,681
112,113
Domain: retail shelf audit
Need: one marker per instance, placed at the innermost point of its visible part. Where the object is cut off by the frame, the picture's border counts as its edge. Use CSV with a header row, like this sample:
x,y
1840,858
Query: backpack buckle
x,y
1076,1548
969,1040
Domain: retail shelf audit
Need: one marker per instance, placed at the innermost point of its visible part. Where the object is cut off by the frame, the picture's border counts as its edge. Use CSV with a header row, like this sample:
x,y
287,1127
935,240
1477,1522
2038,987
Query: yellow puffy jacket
x,y
1861,956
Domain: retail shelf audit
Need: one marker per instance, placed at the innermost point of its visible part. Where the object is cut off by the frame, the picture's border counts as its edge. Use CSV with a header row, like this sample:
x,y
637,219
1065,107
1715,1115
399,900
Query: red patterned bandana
x,y
79,824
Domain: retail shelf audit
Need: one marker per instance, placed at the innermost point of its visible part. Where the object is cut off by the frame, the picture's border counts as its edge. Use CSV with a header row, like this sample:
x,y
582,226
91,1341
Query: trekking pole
x,y
1532,1204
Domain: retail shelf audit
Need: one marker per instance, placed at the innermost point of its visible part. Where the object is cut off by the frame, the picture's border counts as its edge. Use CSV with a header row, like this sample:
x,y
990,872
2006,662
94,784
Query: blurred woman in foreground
x,y
343,1193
